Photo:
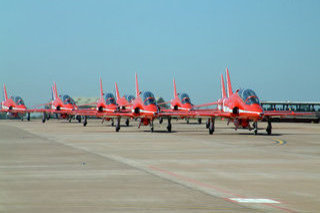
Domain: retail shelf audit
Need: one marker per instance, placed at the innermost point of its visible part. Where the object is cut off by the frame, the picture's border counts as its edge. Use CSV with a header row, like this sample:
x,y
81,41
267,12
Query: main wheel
x,y
127,122
85,121
269,131
211,126
199,120
208,123
44,117
169,127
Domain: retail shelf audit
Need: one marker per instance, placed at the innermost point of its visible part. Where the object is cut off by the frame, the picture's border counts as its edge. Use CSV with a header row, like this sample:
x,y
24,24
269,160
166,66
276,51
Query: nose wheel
x,y
151,124
78,117
127,122
255,128
118,124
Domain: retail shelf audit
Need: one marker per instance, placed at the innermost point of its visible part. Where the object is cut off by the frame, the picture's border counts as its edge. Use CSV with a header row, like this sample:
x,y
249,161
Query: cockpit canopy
x,y
110,99
18,100
248,96
129,98
68,100
185,98
148,98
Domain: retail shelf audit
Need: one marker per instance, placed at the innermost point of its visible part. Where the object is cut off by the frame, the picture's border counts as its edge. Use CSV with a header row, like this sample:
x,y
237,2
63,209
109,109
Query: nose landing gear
x,y
255,128
151,124
118,124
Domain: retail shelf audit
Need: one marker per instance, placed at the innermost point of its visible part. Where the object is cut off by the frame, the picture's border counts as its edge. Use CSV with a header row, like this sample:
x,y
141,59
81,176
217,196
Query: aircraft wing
x,y
286,113
12,111
195,113
205,105
90,112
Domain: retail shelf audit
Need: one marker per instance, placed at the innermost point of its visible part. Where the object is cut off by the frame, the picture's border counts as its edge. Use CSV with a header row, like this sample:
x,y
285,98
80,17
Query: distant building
x,y
294,106
86,102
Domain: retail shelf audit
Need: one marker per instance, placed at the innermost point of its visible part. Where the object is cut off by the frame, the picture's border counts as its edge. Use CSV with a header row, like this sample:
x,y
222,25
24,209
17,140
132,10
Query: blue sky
x,y
272,47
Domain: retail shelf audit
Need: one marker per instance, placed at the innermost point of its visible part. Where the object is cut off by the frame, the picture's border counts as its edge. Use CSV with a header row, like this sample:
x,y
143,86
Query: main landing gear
x,y
44,117
169,125
211,125
127,122
269,127
199,120
85,122
208,123
28,116
160,120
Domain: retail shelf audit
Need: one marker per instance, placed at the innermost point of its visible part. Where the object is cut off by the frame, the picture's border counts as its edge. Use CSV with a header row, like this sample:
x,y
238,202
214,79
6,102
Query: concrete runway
x,y
65,167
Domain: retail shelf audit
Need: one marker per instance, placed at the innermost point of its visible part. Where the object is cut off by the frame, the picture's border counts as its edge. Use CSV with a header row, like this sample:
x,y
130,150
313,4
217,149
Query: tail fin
x,y
5,92
223,88
52,97
101,90
229,87
55,92
175,88
117,91
137,87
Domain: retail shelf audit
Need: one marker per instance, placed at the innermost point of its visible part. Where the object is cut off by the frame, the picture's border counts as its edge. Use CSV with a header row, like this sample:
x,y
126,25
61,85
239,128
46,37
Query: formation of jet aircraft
x,y
241,107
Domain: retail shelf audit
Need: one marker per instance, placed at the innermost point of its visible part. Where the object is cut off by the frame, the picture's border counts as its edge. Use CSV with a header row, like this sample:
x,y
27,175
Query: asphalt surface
x,y
65,167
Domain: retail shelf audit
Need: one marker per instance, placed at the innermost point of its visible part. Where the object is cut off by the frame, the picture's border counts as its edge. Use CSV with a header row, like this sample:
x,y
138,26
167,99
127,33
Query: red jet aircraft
x,y
14,106
105,108
143,108
183,104
65,107
123,102
241,107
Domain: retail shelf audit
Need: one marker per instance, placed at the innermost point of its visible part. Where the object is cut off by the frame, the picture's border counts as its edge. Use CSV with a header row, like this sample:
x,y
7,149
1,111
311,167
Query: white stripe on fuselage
x,y
13,108
227,109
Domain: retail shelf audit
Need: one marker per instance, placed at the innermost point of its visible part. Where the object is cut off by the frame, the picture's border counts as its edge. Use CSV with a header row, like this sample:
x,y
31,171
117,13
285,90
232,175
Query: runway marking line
x,y
238,197
279,141
253,200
